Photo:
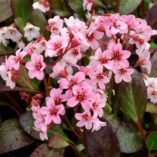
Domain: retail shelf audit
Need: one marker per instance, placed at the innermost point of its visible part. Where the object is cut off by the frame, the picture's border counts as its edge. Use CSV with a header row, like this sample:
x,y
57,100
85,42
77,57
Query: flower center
x,y
72,83
57,101
53,111
117,56
103,60
38,66
122,71
90,37
85,117
95,105
99,77
81,96
75,52
57,46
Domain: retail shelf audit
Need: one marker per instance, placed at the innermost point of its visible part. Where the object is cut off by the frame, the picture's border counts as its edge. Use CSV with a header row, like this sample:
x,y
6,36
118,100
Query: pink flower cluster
x,y
151,83
82,88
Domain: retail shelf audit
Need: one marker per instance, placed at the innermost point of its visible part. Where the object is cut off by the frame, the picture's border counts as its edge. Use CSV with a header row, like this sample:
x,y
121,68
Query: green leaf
x,y
57,130
152,108
20,23
129,138
27,123
151,141
99,3
133,96
61,13
43,151
24,80
128,6
57,141
76,5
5,10
22,8
12,136
38,19
153,45
6,50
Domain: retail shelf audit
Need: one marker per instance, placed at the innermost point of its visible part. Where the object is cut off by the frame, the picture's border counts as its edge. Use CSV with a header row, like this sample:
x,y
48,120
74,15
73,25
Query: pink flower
x,y
82,96
87,4
36,66
52,112
100,59
85,119
97,124
118,56
56,95
92,35
69,82
97,105
123,74
99,77
55,45
55,25
15,60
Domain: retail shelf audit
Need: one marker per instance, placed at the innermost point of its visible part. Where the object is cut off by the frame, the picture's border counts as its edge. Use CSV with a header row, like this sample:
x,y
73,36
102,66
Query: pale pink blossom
x,y
87,4
52,112
82,96
36,66
55,45
123,74
118,56
85,119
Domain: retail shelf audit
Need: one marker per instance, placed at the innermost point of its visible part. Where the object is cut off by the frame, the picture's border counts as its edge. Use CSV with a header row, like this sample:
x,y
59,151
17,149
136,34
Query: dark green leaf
x,y
44,151
133,95
12,137
151,141
61,13
154,65
5,10
57,130
129,138
27,123
57,141
38,19
76,5
128,6
20,23
6,50
152,108
22,8
102,143
99,3
24,80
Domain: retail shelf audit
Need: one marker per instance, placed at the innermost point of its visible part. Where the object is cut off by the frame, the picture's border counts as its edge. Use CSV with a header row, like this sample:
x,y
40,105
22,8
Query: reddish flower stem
x,y
69,124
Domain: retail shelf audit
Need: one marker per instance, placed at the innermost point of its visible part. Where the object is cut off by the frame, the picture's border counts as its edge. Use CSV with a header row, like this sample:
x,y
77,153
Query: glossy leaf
x,y
20,23
76,5
128,6
103,142
5,9
38,19
151,141
129,138
151,17
133,96
44,151
154,65
24,80
57,141
57,130
27,123
152,108
22,8
12,137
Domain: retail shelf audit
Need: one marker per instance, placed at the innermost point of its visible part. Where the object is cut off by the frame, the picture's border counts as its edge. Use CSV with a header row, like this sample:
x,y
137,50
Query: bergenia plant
x,y
87,77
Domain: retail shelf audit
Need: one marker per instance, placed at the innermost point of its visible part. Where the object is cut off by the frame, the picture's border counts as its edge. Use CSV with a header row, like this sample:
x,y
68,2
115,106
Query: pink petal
x,y
79,77
72,102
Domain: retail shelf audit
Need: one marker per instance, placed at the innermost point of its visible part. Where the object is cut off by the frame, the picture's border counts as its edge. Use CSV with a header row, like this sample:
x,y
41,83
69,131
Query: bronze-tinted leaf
x,y
102,143
44,151
133,96
27,123
5,10
129,138
12,136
